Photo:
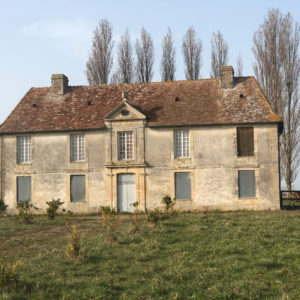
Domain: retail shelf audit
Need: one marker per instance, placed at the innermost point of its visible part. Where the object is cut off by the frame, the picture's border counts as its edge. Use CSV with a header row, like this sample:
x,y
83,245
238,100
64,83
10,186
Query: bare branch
x,y
125,59
100,60
167,65
219,54
145,57
192,50
239,66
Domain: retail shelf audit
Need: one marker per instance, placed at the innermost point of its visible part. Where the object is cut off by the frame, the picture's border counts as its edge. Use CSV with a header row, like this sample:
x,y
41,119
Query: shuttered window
x,y
181,143
247,184
245,141
182,186
23,188
23,149
125,145
77,147
77,188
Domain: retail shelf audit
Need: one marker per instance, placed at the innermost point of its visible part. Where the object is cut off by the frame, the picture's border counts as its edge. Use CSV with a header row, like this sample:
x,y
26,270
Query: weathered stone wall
x,y
213,166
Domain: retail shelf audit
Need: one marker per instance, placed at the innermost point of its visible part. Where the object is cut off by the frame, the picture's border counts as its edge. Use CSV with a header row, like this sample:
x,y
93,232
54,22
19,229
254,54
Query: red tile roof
x,y
199,102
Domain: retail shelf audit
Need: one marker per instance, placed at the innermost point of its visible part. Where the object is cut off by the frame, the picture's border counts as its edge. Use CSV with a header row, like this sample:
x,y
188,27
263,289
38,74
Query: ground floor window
x,y
77,184
182,186
246,183
23,188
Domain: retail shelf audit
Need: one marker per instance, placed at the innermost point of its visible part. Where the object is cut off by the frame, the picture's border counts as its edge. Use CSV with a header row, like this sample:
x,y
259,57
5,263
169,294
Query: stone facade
x,y
210,169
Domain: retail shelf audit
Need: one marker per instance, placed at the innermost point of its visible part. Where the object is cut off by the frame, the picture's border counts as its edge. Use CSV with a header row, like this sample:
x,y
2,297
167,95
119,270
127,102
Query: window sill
x,y
183,199
24,163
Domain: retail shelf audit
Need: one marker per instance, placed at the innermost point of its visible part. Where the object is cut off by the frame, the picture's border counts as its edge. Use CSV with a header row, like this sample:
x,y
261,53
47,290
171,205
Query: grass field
x,y
241,255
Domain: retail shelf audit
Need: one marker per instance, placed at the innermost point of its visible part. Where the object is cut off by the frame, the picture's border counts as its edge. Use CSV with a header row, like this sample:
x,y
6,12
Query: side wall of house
x,y
213,167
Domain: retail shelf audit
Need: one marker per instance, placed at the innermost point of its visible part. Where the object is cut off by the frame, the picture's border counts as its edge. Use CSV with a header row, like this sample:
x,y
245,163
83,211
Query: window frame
x,y
127,143
253,195
181,146
242,137
77,147
24,149
190,187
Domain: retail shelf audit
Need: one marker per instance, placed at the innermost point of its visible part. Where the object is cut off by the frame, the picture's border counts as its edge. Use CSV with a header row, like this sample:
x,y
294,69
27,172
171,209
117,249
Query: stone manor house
x,y
208,143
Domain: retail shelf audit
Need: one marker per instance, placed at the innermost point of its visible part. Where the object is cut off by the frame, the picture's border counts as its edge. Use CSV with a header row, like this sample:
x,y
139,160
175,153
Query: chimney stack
x,y
227,77
59,84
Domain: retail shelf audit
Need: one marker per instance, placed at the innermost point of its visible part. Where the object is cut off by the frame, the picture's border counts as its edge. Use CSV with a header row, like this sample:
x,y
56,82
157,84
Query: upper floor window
x,y
181,143
125,143
77,147
245,141
23,149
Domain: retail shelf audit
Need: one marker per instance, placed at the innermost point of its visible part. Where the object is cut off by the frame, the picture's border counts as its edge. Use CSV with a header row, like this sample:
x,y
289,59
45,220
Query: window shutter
x,y
245,141
247,184
23,188
77,188
182,186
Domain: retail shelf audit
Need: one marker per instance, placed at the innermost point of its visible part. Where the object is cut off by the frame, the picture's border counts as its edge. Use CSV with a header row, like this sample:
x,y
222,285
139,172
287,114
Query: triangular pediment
x,y
123,112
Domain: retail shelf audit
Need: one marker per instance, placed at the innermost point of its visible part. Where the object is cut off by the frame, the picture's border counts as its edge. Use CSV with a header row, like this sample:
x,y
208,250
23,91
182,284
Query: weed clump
x,y
9,275
53,206
24,212
154,216
168,203
135,219
73,248
2,208
110,222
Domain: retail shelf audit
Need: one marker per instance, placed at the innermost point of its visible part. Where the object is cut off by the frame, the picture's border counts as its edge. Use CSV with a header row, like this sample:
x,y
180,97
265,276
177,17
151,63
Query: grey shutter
x,y
247,184
77,188
23,188
182,186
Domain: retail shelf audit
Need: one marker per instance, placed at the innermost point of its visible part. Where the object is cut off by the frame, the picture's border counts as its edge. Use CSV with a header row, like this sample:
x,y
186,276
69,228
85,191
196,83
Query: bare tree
x,y
167,64
219,54
145,57
277,67
192,50
125,59
239,66
100,59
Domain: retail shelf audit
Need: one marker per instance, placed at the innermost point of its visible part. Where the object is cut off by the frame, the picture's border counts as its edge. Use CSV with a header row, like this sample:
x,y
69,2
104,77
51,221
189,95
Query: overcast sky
x,y
40,38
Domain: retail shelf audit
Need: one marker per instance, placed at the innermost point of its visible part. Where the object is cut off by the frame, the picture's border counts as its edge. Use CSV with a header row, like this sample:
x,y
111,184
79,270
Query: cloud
x,y
63,30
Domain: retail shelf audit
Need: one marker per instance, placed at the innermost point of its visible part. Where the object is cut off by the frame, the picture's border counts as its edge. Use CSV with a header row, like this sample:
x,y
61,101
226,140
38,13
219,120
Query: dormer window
x,y
125,145
124,112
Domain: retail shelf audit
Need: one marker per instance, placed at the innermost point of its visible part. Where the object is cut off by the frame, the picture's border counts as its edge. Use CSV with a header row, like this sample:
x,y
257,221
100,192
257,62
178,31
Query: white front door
x,y
126,192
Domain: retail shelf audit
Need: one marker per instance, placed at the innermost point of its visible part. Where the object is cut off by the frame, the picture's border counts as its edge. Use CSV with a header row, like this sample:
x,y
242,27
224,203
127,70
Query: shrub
x,y
73,248
9,275
135,219
168,203
109,222
53,206
2,207
24,212
153,216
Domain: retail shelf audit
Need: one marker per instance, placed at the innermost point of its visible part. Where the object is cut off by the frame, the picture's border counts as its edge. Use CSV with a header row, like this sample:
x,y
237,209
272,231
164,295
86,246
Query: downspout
x,y
2,170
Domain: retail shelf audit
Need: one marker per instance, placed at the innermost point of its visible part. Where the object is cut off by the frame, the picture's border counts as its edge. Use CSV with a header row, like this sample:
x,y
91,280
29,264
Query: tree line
x,y
276,68
139,67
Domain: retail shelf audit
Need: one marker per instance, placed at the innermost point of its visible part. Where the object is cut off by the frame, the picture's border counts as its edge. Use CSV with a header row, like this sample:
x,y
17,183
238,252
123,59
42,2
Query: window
x,y
23,188
246,184
245,141
125,142
181,143
23,149
77,147
77,188
182,186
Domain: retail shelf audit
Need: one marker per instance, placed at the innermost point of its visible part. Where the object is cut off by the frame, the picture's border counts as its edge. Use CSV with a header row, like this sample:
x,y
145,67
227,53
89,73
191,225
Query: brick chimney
x,y
227,77
59,84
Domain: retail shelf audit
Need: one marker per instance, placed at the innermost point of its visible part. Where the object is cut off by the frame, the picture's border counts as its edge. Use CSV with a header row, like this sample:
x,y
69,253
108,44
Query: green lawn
x,y
237,255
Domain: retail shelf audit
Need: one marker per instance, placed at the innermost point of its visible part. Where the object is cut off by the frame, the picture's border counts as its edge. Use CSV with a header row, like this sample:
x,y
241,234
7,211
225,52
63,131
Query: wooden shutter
x,y
23,188
77,188
247,184
182,186
245,141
